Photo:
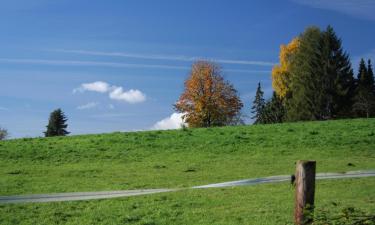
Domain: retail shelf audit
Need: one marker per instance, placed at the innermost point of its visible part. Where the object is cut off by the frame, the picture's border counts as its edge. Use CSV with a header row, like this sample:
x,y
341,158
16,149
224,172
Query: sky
x,y
120,65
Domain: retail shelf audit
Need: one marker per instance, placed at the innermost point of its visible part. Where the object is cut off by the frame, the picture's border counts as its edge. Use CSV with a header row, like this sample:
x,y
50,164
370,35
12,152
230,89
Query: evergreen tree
x,y
258,105
57,124
364,105
362,72
337,77
274,110
370,77
322,82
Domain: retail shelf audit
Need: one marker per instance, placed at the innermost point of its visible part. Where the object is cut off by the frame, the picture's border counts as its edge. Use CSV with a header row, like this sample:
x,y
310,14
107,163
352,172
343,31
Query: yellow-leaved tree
x,y
208,100
281,75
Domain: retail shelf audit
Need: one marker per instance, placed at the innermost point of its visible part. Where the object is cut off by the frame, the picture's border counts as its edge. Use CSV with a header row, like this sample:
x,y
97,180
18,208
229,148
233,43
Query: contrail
x,y
167,57
51,62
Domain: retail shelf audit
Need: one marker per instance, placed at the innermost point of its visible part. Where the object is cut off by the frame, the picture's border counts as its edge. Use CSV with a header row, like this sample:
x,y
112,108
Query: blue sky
x,y
53,52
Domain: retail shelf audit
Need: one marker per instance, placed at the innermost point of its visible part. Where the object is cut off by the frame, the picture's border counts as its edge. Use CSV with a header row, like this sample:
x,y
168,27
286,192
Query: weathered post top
x,y
305,191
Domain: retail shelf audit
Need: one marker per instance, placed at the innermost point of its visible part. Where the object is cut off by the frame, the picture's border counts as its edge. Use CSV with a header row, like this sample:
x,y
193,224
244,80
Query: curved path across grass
x,y
116,194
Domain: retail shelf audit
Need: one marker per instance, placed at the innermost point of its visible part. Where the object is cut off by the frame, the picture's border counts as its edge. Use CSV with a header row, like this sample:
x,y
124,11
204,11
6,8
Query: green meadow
x,y
184,158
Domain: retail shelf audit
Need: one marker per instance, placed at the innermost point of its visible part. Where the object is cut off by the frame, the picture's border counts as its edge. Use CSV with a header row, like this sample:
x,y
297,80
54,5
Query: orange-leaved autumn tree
x,y
281,76
208,100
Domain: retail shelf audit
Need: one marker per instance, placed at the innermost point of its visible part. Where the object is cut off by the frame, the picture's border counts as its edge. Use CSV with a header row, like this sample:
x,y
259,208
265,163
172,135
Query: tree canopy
x,y
281,73
314,80
321,78
208,100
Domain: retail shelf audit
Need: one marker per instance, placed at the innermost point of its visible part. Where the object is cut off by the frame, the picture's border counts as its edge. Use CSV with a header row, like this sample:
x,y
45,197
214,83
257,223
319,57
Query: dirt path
x,y
116,194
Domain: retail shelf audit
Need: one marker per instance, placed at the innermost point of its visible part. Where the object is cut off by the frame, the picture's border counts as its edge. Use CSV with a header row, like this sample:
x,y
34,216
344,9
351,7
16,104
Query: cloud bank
x,y
174,121
114,92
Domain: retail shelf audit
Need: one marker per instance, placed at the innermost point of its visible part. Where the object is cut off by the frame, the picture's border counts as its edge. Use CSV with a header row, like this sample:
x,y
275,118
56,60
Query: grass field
x,y
183,158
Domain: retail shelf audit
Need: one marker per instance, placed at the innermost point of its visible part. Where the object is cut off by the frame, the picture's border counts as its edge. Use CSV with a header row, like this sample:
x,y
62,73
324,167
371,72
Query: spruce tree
x,y
274,110
258,105
322,82
370,77
362,72
337,77
57,124
364,105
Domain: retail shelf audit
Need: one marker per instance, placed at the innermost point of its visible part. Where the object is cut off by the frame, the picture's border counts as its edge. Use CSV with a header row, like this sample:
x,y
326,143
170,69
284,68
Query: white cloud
x,y
175,121
89,105
131,96
97,86
114,92
358,8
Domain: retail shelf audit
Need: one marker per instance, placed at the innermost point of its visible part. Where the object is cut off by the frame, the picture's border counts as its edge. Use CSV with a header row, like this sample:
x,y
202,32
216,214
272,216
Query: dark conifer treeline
x,y
321,83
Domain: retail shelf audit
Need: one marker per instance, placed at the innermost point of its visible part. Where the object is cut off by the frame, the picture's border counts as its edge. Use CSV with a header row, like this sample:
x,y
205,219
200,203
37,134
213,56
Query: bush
x,y
346,216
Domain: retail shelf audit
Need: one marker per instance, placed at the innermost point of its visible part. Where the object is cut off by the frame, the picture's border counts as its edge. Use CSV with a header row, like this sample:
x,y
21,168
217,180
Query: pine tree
x,y
57,124
370,77
362,72
258,105
322,82
364,105
274,110
337,77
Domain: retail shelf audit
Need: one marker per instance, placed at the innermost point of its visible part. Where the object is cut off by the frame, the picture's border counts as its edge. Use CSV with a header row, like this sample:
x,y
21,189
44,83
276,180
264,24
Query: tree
x,y
3,133
321,78
306,80
258,106
281,76
57,124
208,100
274,110
365,76
370,74
337,75
364,105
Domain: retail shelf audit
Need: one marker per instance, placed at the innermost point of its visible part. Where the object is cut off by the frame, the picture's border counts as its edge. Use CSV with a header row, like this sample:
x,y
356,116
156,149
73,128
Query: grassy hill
x,y
183,158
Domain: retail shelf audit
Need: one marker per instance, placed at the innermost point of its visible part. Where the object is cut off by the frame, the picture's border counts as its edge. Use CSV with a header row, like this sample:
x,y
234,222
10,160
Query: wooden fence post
x,y
305,191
